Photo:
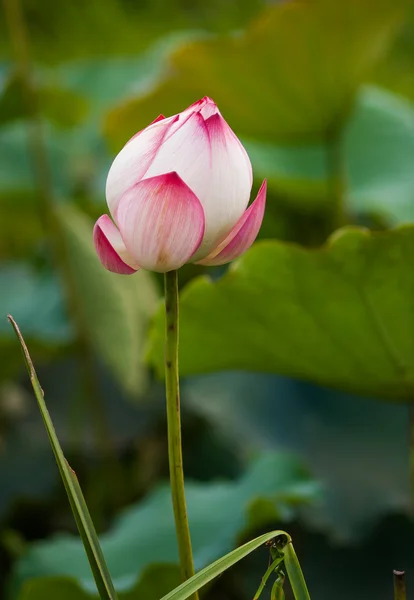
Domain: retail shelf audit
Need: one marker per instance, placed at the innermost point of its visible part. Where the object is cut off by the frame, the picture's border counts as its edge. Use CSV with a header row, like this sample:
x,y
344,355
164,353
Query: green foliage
x,y
113,310
290,77
18,454
36,299
117,27
43,317
156,581
377,146
374,156
19,213
144,534
299,172
48,589
70,589
15,169
341,316
395,69
63,108
261,412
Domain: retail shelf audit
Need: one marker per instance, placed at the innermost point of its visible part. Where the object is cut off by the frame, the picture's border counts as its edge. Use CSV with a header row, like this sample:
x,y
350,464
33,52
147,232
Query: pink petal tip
x,y
111,248
243,234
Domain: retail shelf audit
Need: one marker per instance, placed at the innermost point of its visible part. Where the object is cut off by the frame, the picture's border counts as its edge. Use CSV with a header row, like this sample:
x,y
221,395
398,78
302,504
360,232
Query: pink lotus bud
x,y
178,192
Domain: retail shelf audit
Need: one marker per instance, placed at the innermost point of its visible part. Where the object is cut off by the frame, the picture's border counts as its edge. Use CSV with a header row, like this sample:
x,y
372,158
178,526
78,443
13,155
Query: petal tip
x,y
243,234
106,237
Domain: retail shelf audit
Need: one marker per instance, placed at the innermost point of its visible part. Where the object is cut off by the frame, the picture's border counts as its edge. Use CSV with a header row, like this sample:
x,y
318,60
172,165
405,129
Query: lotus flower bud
x,y
178,192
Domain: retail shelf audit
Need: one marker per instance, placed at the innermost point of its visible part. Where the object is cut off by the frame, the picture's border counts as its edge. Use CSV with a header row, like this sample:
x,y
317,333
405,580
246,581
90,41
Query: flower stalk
x,y
399,585
175,456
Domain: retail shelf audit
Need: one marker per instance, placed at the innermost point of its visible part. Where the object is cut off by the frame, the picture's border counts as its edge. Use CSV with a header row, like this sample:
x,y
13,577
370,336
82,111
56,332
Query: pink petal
x,y
212,162
134,159
209,108
161,221
111,248
243,234
206,106
185,150
159,118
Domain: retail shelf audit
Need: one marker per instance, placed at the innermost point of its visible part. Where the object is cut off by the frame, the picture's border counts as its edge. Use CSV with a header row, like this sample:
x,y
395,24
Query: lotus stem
x,y
175,456
399,585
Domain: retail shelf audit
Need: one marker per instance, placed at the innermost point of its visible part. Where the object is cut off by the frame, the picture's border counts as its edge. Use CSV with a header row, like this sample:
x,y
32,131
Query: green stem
x,y
411,456
175,456
399,585
266,576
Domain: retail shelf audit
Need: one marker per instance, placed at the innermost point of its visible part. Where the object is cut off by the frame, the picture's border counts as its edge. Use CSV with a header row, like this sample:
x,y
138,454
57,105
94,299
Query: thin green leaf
x,y
277,592
200,579
297,581
73,490
266,576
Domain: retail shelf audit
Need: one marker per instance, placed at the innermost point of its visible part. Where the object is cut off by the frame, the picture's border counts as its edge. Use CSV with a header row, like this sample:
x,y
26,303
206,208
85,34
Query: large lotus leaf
x,y
365,471
43,317
341,316
62,107
36,300
377,147
113,310
63,588
15,167
19,212
19,453
290,76
219,512
109,27
395,70
155,582
298,174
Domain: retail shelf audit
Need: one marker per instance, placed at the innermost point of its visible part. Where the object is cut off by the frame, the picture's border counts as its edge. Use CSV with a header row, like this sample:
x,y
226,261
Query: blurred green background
x,y
298,368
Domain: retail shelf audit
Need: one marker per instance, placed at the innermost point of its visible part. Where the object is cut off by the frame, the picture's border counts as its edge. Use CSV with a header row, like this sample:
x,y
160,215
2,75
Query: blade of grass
x,y
277,592
200,579
77,501
266,576
294,572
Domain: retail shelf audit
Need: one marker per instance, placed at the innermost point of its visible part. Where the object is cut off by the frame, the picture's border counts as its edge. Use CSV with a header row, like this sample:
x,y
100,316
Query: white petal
x,y
213,163
227,195
133,160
